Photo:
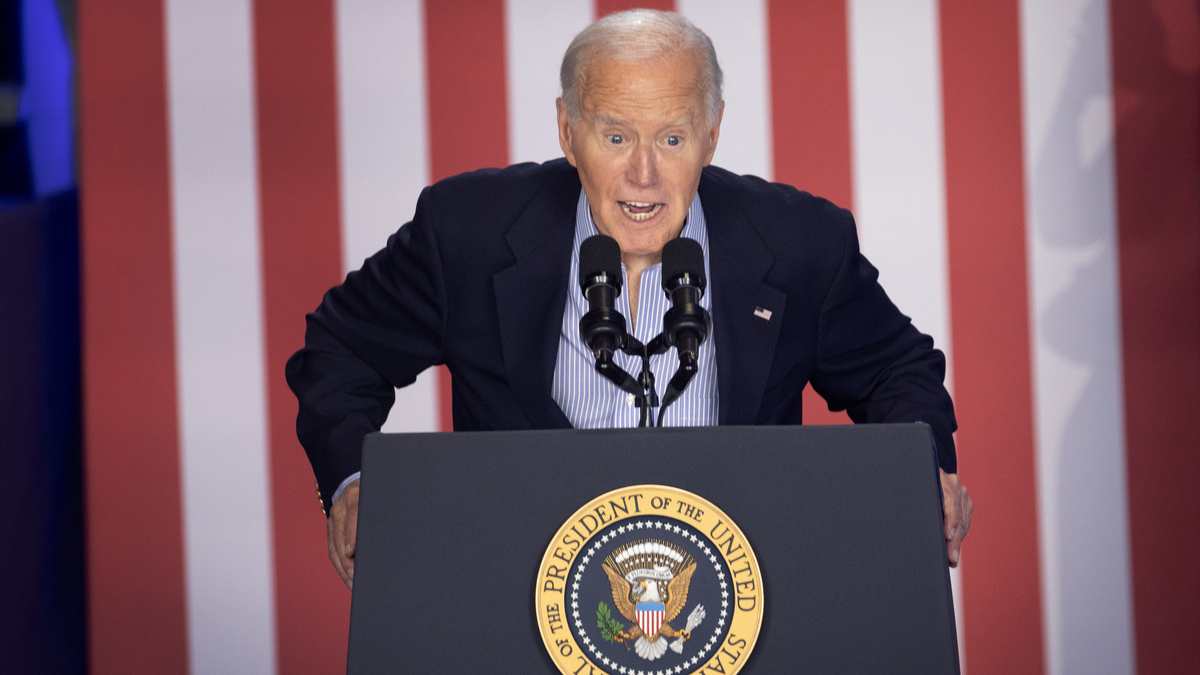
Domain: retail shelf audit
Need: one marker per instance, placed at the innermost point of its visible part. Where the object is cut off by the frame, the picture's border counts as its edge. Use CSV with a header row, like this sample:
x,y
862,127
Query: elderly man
x,y
484,280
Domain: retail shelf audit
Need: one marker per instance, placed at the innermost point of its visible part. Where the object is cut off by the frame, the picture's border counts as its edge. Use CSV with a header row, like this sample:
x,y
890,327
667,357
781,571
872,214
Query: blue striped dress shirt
x,y
591,401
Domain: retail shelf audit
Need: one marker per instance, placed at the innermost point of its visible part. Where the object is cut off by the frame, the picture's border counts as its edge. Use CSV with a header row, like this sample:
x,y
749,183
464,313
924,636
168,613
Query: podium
x,y
844,522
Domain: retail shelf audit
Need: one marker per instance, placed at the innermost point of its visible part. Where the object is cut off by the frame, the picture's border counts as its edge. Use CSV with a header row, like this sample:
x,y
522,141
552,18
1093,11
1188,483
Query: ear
x,y
714,134
566,134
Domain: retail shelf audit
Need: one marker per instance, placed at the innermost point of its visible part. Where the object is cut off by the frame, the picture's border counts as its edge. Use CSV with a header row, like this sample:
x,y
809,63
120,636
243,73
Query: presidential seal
x,y
649,580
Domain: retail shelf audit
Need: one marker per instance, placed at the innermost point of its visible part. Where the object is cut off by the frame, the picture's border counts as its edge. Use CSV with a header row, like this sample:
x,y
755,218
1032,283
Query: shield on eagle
x,y
650,616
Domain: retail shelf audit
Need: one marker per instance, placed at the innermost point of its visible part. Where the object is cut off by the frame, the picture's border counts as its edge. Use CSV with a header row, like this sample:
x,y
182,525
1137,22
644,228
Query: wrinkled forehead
x,y
673,79
682,69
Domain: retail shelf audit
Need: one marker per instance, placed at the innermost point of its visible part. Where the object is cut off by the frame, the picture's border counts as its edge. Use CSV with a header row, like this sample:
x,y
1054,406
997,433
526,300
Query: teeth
x,y
638,217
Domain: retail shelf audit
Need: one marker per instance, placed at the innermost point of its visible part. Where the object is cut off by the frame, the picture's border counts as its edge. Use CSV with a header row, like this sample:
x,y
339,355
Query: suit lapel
x,y
745,342
532,294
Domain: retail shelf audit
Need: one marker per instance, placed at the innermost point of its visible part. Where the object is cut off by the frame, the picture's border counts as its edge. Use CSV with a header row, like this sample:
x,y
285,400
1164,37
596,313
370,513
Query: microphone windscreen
x,y
599,253
683,256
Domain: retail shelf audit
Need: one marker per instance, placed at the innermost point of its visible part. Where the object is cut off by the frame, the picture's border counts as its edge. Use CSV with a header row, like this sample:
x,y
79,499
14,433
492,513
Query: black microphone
x,y
602,327
685,325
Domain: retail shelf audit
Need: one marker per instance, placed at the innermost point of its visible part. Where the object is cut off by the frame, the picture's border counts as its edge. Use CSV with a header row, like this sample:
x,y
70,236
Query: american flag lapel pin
x,y
764,314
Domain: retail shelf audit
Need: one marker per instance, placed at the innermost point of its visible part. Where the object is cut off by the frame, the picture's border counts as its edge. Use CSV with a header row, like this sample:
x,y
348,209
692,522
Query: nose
x,y
643,168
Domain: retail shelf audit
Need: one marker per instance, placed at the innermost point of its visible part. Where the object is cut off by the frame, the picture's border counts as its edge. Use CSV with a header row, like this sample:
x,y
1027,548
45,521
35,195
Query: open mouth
x,y
639,211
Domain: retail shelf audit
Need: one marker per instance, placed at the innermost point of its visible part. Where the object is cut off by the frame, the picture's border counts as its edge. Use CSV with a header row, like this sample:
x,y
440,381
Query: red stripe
x,y
1156,60
301,259
811,133
136,603
468,120
606,7
649,620
985,211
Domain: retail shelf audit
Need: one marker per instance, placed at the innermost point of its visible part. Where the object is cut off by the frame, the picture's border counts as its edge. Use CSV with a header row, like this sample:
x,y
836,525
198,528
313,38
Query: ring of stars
x,y
593,550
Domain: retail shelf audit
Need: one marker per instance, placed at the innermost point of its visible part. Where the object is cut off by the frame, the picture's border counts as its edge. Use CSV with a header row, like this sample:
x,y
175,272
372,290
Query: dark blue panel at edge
x,y
42,617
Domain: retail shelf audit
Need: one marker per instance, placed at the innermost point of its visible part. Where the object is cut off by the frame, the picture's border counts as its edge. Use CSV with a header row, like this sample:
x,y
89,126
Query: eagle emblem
x,y
650,580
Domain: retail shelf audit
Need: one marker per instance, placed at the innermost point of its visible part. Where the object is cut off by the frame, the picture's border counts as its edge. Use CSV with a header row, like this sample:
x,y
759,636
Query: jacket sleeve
x,y
872,362
376,331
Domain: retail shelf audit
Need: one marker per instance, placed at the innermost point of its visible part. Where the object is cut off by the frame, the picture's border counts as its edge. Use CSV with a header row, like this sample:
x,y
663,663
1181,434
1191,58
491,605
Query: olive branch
x,y
608,626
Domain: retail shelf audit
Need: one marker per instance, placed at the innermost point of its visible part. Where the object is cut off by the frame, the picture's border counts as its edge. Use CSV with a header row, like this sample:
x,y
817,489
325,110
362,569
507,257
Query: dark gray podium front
x,y
845,522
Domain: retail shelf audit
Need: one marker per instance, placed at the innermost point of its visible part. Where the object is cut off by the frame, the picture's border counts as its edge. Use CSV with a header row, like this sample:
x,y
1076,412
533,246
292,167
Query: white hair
x,y
639,35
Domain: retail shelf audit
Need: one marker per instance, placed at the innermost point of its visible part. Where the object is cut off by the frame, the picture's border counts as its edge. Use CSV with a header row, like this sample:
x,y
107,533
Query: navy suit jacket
x,y
478,281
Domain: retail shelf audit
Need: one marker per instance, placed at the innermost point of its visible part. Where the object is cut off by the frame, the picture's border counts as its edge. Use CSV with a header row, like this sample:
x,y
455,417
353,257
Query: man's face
x,y
640,142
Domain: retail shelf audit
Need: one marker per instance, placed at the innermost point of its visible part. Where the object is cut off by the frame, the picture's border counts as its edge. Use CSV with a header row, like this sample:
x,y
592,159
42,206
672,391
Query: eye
x,y
674,140
616,139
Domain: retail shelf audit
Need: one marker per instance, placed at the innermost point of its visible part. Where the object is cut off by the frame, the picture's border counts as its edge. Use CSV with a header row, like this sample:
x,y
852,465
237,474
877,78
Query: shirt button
x,y
629,399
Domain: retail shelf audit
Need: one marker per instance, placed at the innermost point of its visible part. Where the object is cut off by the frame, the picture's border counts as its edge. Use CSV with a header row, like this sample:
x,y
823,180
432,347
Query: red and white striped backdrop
x,y
1026,175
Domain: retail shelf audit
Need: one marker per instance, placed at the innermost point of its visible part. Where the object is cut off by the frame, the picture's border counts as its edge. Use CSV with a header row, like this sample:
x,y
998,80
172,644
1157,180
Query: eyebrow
x,y
605,119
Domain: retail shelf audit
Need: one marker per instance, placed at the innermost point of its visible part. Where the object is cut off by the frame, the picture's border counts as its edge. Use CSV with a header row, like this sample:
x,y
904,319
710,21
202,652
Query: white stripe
x,y
899,170
1083,518
739,34
219,336
384,143
536,36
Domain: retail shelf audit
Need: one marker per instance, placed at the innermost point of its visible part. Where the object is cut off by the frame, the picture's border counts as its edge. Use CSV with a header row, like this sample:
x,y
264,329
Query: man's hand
x,y
341,529
957,507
